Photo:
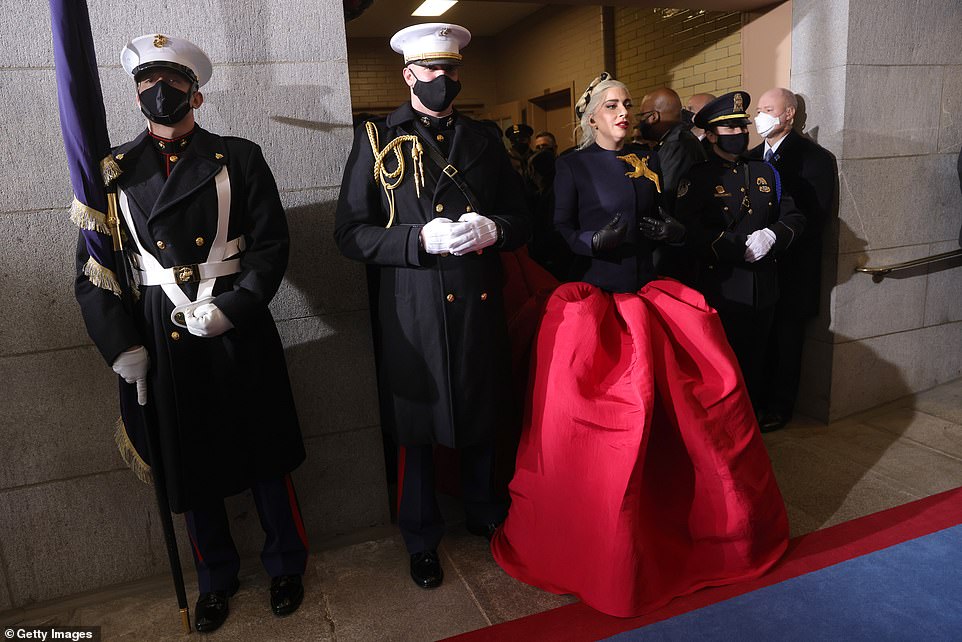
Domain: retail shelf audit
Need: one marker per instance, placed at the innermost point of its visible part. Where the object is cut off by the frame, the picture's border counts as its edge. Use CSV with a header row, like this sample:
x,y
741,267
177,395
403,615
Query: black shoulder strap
x,y
449,170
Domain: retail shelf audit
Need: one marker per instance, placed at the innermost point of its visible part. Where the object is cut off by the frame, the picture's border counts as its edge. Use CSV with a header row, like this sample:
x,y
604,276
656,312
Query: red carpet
x,y
807,553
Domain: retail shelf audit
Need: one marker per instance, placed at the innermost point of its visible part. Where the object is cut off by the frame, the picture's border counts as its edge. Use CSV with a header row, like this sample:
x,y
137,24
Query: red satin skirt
x,y
641,474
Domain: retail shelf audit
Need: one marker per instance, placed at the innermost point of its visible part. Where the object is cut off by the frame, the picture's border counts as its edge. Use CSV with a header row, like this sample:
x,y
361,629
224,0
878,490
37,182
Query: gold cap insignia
x,y
444,33
738,103
160,40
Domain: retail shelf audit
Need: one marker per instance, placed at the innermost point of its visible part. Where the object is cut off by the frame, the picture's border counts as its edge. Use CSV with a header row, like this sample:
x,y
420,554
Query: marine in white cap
x,y
443,204
207,241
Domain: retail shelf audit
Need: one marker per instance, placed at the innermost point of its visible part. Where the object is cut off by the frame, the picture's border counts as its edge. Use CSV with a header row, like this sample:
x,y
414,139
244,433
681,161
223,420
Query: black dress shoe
x,y
426,569
212,609
287,592
771,421
483,530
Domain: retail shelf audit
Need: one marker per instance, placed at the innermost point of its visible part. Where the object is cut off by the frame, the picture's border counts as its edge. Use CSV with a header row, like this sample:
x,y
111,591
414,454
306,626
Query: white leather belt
x,y
192,273
151,272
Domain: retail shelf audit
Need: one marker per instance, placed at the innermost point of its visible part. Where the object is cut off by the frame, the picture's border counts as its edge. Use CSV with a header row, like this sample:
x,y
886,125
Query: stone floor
x,y
893,454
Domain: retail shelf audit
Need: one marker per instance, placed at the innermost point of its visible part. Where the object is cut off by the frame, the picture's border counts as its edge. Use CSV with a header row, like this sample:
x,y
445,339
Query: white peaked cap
x,y
158,50
431,43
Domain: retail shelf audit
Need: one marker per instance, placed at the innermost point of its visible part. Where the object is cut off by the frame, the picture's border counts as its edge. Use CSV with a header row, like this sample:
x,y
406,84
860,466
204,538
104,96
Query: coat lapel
x,y
197,166
141,178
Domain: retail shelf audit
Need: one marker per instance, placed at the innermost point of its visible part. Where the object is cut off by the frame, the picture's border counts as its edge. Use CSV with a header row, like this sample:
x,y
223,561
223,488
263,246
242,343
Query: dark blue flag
x,y
83,122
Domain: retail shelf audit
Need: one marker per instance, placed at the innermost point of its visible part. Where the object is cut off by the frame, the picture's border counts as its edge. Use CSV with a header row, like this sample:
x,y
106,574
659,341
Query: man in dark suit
x,y
207,238
737,221
677,150
808,175
429,199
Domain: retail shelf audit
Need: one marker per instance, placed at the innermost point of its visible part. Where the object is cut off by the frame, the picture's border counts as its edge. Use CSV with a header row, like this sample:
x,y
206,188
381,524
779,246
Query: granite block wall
x,y
72,518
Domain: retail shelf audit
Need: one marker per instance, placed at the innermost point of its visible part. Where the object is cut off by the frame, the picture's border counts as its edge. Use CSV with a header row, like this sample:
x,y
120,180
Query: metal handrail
x,y
878,273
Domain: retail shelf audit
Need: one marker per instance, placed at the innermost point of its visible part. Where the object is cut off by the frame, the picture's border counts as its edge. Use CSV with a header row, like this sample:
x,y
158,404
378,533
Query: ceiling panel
x,y
385,17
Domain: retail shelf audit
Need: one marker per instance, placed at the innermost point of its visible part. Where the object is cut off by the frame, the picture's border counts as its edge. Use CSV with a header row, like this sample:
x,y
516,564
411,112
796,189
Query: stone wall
x,y
882,85
74,518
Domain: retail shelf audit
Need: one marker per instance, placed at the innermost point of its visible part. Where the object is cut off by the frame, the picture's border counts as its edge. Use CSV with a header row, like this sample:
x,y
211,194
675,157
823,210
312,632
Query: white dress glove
x,y
132,366
436,235
208,321
758,244
480,233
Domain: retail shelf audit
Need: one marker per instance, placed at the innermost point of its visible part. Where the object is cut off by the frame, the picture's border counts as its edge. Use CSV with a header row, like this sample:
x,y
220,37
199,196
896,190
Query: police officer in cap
x,y
429,199
520,138
738,221
207,240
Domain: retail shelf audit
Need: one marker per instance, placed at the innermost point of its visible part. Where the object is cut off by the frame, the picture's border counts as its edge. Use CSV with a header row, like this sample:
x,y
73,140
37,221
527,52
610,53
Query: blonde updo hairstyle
x,y
594,100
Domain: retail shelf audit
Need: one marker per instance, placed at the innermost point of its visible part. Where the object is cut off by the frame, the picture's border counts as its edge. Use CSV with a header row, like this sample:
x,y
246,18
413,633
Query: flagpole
x,y
155,456
83,122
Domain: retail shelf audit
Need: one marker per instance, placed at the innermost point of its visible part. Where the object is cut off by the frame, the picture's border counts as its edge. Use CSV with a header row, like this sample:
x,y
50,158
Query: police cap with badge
x,y
516,133
728,110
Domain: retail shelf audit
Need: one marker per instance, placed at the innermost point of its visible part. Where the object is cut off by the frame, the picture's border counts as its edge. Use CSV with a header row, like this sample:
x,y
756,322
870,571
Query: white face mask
x,y
765,124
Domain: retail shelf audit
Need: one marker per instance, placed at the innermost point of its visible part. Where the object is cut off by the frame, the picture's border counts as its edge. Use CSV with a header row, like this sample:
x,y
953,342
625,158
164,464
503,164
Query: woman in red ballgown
x,y
641,474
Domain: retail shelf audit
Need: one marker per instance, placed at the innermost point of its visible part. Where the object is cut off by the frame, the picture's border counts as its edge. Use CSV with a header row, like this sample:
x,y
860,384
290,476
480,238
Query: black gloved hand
x,y
610,236
667,228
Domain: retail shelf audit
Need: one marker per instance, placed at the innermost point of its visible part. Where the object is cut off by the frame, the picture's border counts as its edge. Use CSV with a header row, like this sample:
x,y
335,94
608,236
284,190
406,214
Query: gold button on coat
x,y
450,298
467,209
173,158
484,296
199,241
175,335
161,245
440,138
179,317
439,208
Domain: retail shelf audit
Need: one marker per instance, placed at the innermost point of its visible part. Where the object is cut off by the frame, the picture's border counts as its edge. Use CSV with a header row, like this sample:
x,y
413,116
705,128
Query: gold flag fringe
x,y
109,169
101,276
87,218
129,454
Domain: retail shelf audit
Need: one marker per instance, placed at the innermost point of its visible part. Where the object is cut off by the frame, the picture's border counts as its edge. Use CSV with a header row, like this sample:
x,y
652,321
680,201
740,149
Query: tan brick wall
x,y
377,86
561,46
551,48
689,50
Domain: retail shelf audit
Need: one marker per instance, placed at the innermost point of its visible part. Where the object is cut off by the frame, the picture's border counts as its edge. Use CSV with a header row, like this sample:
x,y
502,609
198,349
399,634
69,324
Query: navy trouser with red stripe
x,y
419,516
285,545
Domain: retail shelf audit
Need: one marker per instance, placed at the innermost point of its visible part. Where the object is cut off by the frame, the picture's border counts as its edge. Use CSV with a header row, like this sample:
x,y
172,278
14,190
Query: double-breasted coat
x,y
223,405
721,203
444,363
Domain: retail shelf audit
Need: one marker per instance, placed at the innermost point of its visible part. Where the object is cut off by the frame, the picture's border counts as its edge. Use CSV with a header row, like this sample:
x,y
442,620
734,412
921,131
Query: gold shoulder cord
x,y
381,175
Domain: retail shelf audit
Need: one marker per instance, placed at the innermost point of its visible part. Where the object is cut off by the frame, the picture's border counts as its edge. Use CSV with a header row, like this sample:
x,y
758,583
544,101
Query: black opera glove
x,y
667,228
610,236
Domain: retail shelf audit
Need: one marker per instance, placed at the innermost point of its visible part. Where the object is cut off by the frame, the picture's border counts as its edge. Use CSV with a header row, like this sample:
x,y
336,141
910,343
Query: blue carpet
x,y
910,591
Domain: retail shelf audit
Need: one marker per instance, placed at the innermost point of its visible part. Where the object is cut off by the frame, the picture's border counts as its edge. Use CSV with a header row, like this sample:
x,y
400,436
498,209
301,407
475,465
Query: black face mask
x,y
688,118
164,104
645,128
438,94
735,144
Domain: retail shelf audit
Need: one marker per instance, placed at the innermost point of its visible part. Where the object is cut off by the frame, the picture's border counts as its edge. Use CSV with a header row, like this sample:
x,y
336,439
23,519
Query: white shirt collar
x,y
774,148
